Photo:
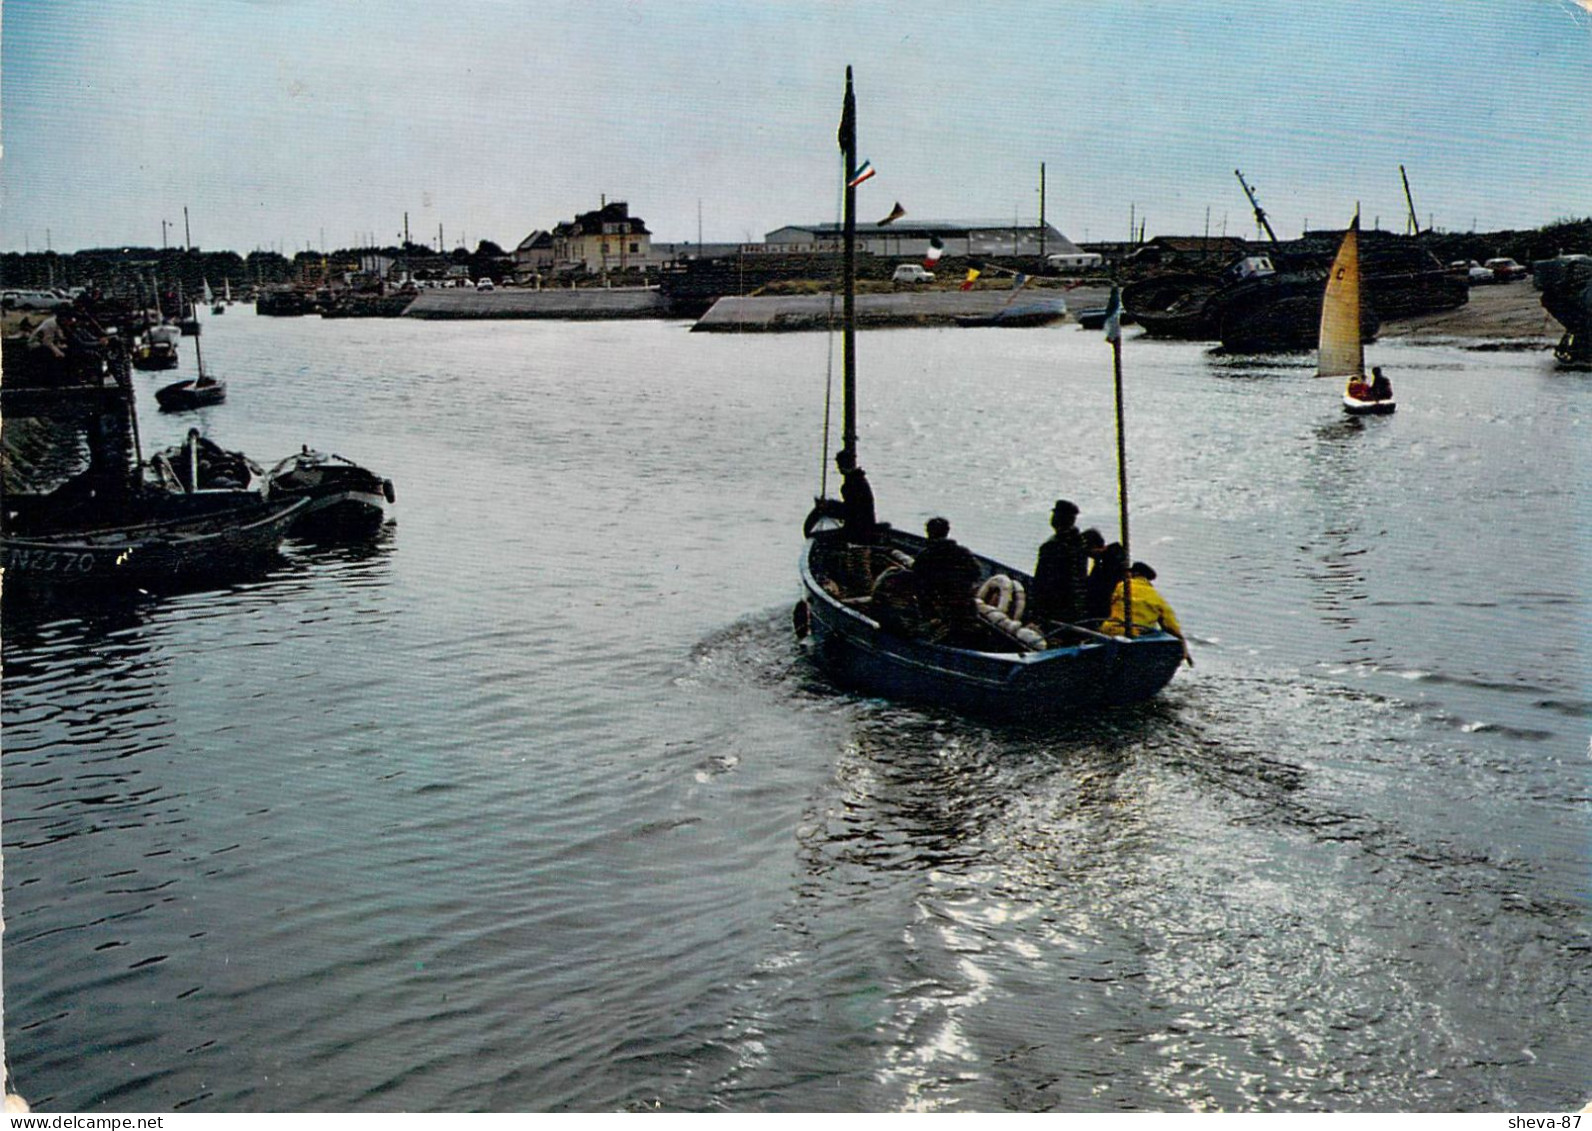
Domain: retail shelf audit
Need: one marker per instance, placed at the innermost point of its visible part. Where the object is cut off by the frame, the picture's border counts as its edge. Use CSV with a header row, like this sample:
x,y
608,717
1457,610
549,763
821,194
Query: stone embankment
x,y
570,305
767,313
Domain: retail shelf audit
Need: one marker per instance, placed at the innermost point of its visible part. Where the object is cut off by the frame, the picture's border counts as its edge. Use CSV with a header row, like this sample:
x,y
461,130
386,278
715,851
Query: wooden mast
x,y
848,340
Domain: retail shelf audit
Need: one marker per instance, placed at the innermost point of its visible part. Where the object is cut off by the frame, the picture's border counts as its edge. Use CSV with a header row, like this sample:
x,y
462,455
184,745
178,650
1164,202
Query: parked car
x,y
1472,272
32,300
485,285
911,273
1505,270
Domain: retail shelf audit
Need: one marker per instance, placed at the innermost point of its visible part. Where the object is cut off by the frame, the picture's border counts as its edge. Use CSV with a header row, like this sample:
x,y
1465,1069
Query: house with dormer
x,y
609,239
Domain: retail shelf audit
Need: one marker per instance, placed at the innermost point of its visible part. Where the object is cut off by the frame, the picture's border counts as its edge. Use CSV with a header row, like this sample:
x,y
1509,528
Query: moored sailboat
x,y
200,392
999,666
1341,350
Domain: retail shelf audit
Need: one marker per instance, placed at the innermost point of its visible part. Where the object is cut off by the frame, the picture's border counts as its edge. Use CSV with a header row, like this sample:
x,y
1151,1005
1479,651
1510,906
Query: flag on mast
x,y
932,255
972,274
1114,316
863,172
895,214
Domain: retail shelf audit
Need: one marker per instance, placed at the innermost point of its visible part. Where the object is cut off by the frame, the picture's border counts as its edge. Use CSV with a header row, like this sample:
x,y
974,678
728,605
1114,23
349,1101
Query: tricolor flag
x,y
932,256
865,171
972,274
895,214
1114,316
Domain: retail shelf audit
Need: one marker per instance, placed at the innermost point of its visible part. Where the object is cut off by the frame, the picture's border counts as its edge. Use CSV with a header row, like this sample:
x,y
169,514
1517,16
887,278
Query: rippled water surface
x,y
534,804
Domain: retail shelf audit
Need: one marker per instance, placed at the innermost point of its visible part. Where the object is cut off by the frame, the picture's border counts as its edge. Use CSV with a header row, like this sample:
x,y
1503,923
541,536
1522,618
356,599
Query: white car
x,y
1473,272
911,273
485,285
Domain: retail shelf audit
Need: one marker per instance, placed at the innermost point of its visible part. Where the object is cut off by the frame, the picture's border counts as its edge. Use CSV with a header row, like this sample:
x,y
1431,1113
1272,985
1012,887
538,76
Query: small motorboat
x,y
1041,312
346,501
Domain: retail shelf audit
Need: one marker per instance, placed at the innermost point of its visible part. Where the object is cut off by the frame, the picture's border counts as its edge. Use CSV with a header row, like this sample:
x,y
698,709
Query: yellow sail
x,y
1340,352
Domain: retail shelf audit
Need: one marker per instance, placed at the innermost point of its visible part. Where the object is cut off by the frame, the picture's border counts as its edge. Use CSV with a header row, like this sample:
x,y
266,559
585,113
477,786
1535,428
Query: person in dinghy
x,y
1379,388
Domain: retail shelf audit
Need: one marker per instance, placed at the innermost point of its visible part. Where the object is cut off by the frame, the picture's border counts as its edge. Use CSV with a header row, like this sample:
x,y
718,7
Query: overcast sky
x,y
280,123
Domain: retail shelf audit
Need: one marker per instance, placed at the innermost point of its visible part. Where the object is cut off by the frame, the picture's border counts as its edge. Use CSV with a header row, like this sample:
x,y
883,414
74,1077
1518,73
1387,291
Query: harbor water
x,y
535,804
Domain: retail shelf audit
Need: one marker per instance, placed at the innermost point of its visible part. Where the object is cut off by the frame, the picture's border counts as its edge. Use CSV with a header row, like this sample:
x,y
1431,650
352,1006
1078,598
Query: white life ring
x,y
1005,595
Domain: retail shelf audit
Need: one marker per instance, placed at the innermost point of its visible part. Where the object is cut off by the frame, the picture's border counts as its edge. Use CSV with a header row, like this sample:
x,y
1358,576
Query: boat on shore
x,y
1003,667
1039,312
1566,285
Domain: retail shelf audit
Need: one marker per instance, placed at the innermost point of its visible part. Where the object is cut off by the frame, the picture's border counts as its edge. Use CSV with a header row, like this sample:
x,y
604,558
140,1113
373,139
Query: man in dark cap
x,y
856,498
1062,569
947,575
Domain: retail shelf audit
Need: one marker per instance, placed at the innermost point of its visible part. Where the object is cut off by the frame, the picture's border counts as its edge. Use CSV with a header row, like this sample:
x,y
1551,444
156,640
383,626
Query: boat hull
x,y
858,653
184,395
344,500
1356,407
172,552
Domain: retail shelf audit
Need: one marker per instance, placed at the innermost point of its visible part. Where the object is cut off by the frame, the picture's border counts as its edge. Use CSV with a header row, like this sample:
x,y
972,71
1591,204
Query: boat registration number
x,y
48,561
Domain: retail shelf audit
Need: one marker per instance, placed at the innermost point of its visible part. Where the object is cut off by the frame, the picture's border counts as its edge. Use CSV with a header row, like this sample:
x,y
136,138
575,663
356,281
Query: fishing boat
x,y
1340,348
156,348
346,501
1012,670
170,551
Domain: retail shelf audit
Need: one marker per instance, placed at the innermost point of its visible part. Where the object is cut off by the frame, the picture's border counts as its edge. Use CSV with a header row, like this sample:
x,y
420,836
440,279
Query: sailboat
x,y
1341,350
210,300
204,390
1008,669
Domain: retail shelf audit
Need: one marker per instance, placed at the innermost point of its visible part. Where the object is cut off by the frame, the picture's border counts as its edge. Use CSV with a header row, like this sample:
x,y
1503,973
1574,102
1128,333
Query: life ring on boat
x,y
1005,595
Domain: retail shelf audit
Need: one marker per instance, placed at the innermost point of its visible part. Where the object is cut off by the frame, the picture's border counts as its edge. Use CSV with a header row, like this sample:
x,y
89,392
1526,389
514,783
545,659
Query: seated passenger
x,y
1150,610
1381,387
947,576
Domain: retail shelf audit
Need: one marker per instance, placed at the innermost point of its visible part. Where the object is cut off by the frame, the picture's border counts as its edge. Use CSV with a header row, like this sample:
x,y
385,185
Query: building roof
x,y
591,223
537,239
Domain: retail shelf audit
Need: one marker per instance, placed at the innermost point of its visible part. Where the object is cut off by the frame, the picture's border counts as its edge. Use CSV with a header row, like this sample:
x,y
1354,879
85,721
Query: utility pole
x,y
163,225
187,237
1041,210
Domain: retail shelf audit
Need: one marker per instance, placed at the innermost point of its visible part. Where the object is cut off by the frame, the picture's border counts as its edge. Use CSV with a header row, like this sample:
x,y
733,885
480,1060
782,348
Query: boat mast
x,y
1114,333
1415,221
848,339
1260,213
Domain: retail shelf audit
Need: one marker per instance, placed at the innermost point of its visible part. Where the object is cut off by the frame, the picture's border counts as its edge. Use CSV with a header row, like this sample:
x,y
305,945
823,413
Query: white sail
x,y
1340,351
209,298
226,290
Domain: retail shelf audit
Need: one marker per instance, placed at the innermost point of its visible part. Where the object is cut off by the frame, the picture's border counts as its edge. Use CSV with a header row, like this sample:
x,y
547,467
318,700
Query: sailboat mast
x,y
1122,478
848,339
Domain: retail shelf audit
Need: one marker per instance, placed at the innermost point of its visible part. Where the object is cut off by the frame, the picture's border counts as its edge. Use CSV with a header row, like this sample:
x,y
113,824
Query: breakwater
x,y
733,314
579,305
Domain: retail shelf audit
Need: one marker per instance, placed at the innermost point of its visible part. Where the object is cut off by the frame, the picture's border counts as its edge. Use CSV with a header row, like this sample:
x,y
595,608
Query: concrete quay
x,y
769,313
586,304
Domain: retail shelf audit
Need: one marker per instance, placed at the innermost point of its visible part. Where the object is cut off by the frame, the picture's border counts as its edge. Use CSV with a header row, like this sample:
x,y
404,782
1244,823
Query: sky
x,y
294,124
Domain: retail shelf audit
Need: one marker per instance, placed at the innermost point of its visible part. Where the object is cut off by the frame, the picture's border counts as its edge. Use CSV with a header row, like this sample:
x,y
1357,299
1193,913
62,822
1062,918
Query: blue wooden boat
x,y
1003,678
1002,667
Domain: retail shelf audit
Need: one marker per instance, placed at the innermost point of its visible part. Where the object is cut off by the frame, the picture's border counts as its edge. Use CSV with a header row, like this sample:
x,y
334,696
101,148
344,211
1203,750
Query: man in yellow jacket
x,y
1150,610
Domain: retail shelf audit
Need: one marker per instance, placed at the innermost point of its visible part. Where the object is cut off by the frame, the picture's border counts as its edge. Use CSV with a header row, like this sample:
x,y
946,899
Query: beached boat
x,y
346,501
172,551
1566,285
1014,671
1340,347
1040,312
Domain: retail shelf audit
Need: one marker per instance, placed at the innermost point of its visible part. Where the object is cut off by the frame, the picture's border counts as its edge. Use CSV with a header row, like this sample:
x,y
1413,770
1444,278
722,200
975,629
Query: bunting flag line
x,y
865,171
932,256
1114,316
972,274
895,214
1017,283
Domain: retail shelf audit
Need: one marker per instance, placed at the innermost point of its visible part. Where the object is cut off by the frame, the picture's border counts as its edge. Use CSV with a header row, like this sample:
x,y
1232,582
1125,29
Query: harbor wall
x,y
583,304
769,313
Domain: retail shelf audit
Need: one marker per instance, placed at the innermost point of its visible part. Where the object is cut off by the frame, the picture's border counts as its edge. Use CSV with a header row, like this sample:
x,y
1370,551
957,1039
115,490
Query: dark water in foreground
x,y
534,805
